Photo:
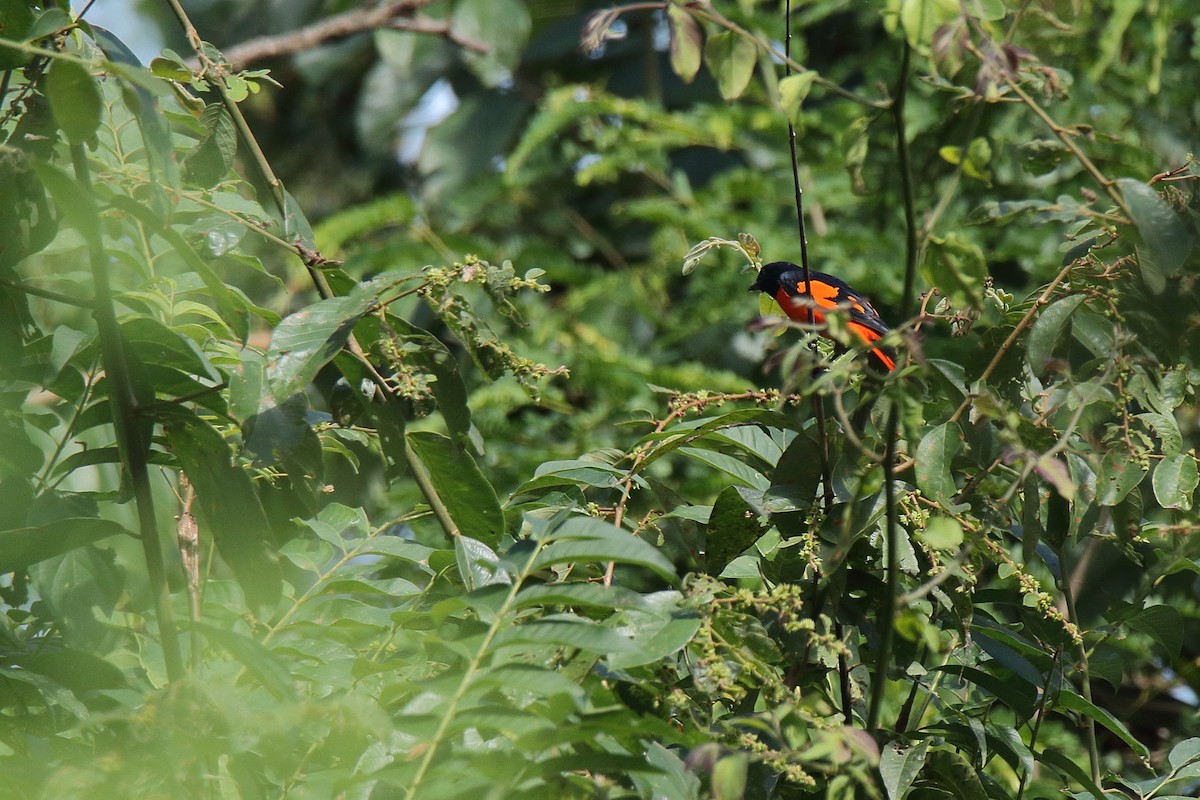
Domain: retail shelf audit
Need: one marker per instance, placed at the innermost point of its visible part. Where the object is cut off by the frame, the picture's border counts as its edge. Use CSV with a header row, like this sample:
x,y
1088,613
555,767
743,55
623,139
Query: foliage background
x,y
411,459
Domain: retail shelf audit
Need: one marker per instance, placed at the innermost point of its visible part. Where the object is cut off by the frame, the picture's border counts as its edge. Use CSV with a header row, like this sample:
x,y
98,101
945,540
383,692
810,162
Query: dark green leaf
x,y
934,461
21,547
590,540
1017,695
461,487
210,160
957,267
1067,767
1077,703
449,389
953,774
75,202
1167,239
1047,330
16,18
74,99
1163,624
732,527
267,668
227,505
309,339
1117,477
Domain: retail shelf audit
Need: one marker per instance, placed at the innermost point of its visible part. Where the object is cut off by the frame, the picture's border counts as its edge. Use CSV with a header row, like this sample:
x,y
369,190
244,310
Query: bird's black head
x,y
770,277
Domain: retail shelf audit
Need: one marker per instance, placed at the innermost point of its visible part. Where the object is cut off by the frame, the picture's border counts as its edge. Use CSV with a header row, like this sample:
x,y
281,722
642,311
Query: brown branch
x,y
397,15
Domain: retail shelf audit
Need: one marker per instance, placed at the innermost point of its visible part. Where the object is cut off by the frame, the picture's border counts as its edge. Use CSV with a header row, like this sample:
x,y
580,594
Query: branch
x,y
397,15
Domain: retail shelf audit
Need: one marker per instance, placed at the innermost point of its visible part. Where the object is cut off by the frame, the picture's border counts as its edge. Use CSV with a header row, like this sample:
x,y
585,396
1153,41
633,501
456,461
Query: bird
x,y
784,283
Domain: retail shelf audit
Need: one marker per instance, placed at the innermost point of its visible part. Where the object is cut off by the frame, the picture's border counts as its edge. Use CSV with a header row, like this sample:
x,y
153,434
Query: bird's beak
x,y
754,287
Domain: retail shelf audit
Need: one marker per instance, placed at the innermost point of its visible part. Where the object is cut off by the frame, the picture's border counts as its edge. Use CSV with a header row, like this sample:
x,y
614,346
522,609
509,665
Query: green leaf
x,y
448,389
732,528
687,42
731,59
566,630
793,91
231,303
73,201
1175,480
1166,429
738,470
170,69
1117,477
574,595
21,547
590,540
657,633
934,460
461,487
1168,243
952,773
1076,702
1184,753
1017,695
974,165
210,160
1163,624
920,18
16,18
478,564
139,97
1047,330
267,668
729,776
942,533
957,267
309,339
502,26
1070,769
74,99
227,505
1095,332
899,765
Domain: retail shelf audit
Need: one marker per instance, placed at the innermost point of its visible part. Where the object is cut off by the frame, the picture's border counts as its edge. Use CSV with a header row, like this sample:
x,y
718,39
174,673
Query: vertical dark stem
x,y
1039,715
130,439
818,405
911,243
1089,723
887,614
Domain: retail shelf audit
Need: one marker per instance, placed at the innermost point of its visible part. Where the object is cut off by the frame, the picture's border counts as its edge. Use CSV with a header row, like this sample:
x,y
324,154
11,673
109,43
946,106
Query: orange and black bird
x,y
784,282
